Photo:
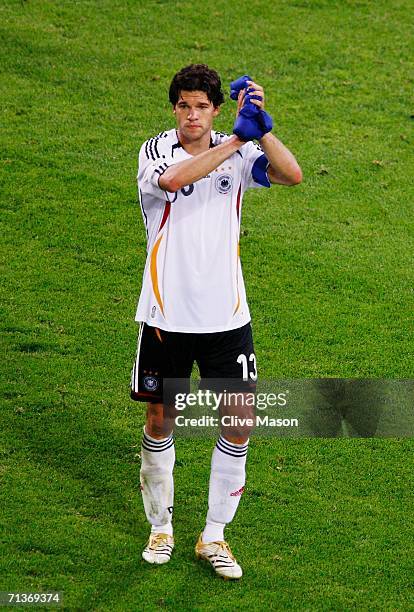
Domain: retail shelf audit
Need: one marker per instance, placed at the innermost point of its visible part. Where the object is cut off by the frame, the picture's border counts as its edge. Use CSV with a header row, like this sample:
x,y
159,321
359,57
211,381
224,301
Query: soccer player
x,y
193,304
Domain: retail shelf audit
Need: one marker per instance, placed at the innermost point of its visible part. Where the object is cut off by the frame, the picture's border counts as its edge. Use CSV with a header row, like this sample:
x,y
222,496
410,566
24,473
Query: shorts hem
x,y
181,330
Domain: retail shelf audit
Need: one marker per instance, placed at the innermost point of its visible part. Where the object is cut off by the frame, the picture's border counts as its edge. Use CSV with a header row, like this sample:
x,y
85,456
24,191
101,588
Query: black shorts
x,y
219,355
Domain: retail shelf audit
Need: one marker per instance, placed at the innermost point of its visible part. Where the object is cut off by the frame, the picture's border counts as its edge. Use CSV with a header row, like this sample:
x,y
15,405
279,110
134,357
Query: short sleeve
x,y
154,159
255,164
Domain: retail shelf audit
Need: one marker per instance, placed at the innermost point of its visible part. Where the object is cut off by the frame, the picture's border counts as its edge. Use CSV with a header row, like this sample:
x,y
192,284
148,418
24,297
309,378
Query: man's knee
x,y
236,440
238,420
157,425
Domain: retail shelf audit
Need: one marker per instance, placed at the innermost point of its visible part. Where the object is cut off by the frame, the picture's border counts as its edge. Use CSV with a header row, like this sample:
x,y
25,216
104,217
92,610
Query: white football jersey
x,y
193,279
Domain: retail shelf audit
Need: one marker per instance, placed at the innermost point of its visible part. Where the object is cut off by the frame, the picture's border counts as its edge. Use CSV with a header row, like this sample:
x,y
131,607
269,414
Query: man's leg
x,y
157,485
224,359
228,465
227,480
157,449
160,355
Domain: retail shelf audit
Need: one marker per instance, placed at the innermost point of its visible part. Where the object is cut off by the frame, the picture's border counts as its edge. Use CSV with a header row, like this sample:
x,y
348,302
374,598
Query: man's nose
x,y
192,114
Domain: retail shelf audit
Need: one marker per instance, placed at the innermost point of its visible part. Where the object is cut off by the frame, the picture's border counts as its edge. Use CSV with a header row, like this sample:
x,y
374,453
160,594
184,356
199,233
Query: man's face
x,y
194,113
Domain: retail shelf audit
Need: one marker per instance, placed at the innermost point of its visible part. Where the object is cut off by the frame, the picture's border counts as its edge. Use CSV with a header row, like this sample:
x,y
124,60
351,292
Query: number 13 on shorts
x,y
249,366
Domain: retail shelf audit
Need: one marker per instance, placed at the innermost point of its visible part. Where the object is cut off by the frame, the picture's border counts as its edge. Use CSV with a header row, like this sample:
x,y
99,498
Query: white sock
x,y
157,484
227,479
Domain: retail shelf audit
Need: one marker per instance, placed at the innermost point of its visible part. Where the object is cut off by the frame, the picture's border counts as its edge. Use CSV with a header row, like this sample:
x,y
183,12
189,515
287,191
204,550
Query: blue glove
x,y
251,122
237,85
252,126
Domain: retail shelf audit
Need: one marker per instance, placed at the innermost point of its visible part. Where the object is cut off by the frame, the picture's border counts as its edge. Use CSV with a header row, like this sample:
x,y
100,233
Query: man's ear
x,y
216,111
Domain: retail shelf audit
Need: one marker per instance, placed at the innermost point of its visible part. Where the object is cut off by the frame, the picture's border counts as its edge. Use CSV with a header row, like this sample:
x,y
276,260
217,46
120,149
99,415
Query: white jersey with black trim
x,y
193,281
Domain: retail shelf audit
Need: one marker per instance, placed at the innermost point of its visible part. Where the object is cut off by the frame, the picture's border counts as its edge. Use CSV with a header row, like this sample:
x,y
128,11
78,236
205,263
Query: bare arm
x,y
192,170
283,167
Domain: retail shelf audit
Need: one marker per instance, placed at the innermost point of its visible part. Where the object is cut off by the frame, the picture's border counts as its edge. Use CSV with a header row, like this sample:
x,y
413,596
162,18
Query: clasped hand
x,y
252,121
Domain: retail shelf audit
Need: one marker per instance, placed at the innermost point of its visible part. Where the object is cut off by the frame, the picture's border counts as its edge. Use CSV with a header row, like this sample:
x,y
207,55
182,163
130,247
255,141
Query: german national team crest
x,y
150,383
224,183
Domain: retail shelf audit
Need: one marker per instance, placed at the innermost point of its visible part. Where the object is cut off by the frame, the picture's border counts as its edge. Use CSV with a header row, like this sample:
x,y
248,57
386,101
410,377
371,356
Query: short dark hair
x,y
197,77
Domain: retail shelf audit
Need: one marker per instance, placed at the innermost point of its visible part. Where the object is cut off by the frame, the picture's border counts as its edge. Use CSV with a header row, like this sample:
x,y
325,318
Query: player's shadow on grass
x,y
359,408
84,447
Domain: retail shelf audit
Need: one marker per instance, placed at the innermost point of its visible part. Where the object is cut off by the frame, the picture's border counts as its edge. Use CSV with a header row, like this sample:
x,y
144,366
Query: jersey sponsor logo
x,y
153,311
224,183
150,383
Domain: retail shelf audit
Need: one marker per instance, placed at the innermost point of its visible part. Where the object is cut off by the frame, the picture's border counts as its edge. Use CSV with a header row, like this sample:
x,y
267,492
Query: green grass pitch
x,y
324,524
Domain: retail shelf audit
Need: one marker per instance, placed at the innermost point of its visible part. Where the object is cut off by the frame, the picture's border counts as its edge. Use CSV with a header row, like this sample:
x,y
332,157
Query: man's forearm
x,y
283,169
192,170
